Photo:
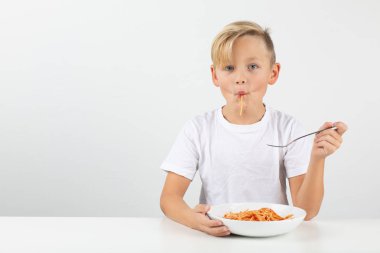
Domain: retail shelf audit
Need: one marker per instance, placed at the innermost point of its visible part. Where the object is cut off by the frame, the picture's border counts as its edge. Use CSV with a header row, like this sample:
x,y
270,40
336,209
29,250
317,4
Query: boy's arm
x,y
307,190
171,201
174,207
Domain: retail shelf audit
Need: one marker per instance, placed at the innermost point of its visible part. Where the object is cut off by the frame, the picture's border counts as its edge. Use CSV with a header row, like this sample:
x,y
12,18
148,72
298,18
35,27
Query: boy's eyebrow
x,y
252,58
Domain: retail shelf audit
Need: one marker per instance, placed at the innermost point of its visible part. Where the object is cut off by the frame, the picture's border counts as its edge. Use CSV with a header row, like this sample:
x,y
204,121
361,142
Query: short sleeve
x,y
297,155
183,156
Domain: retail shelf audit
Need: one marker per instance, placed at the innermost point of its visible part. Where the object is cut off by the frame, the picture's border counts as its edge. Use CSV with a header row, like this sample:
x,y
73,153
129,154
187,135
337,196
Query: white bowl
x,y
258,228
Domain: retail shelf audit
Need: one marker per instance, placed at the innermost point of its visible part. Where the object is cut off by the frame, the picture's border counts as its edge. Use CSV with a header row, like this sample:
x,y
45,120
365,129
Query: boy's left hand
x,y
328,141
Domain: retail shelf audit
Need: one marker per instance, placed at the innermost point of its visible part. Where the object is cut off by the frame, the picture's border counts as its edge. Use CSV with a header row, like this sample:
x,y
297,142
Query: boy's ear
x,y
274,74
213,75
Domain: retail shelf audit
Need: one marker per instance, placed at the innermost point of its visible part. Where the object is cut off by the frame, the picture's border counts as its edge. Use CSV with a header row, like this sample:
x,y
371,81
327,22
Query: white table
x,y
89,234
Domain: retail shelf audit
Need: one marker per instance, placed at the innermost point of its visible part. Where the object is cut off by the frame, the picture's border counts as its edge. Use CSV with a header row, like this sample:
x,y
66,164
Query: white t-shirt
x,y
234,162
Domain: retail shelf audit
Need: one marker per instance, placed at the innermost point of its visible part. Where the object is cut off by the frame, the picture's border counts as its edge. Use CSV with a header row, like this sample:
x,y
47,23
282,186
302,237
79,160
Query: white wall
x,y
93,94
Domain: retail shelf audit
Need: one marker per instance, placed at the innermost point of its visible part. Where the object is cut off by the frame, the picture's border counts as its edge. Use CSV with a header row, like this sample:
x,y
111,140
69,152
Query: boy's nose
x,y
240,78
240,82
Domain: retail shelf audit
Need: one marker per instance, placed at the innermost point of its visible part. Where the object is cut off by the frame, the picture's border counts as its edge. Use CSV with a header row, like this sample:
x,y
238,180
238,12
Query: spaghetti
x,y
241,105
263,214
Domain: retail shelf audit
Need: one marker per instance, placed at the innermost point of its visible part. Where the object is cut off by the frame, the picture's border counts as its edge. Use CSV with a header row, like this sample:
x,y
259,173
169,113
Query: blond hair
x,y
221,50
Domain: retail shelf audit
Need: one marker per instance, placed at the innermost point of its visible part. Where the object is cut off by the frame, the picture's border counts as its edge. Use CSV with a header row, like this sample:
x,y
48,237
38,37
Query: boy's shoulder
x,y
285,121
203,119
280,115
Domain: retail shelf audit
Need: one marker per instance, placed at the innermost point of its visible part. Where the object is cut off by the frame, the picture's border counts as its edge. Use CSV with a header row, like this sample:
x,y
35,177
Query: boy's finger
x,y
341,127
328,147
326,125
206,221
212,223
332,133
329,139
217,231
201,208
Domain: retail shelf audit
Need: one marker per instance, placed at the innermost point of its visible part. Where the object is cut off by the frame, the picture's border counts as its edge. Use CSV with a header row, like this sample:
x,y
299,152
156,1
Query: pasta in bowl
x,y
258,219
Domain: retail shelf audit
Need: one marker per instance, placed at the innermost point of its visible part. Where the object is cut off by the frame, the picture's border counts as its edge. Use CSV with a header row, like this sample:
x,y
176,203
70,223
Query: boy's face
x,y
248,74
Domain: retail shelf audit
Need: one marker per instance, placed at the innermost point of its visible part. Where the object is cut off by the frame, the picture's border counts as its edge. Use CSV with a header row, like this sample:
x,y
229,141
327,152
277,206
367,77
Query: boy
x,y
228,146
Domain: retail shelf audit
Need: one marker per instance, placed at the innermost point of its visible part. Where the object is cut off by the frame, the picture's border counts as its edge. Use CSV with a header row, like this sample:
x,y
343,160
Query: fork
x,y
316,132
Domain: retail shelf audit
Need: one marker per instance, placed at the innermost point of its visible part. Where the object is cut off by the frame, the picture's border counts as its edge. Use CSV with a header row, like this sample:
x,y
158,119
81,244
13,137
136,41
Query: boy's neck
x,y
251,115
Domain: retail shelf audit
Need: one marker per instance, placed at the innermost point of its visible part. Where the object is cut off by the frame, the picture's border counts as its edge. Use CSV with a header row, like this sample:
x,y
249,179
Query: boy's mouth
x,y
241,93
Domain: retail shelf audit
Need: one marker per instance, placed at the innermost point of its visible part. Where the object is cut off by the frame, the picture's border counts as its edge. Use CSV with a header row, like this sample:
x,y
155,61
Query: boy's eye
x,y
229,68
252,66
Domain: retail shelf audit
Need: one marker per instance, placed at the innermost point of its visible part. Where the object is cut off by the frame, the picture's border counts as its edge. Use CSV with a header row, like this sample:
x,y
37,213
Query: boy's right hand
x,y
205,224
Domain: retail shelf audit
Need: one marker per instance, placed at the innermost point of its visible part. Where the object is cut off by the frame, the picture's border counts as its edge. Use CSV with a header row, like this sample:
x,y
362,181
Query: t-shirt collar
x,y
243,128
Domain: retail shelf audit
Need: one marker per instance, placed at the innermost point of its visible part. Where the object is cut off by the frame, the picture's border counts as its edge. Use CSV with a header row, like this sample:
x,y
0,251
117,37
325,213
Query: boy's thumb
x,y
201,208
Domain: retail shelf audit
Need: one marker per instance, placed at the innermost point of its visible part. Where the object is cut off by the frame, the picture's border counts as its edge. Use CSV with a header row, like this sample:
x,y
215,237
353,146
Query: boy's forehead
x,y
250,56
248,48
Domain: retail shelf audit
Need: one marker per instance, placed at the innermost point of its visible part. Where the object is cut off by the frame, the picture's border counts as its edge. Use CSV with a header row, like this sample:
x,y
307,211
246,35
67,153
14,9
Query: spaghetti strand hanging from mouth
x,y
241,105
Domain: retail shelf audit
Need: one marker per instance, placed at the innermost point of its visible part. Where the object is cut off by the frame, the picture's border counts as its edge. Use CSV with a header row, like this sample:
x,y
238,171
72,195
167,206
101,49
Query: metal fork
x,y
316,132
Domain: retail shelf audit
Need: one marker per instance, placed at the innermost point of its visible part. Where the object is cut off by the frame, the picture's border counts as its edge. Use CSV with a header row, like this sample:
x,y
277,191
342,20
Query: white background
x,y
93,94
